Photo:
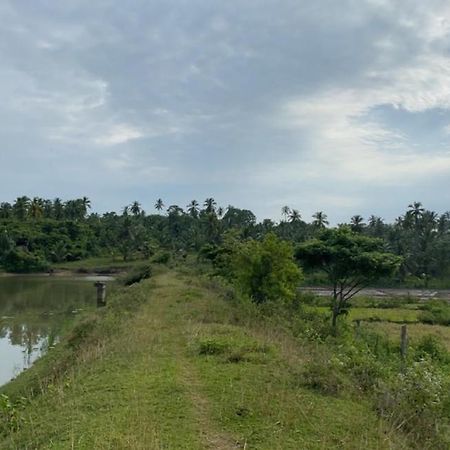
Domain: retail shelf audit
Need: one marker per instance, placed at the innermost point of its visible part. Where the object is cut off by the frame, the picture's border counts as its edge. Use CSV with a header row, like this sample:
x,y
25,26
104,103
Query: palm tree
x,y
416,210
21,206
357,223
135,208
444,222
320,219
58,208
210,205
193,208
285,211
5,210
294,216
85,204
159,205
36,209
175,210
220,211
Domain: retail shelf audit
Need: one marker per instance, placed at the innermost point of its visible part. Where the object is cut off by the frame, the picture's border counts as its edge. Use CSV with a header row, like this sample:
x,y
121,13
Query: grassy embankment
x,y
171,364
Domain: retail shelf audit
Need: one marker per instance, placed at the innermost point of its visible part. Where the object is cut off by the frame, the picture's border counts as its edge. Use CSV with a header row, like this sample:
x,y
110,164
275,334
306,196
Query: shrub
x,y
20,261
414,402
162,258
325,374
436,313
11,418
430,346
212,346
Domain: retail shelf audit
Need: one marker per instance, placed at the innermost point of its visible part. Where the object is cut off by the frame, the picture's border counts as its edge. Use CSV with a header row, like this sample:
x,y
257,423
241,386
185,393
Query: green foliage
x,y
11,416
265,271
414,401
430,346
350,260
436,312
24,262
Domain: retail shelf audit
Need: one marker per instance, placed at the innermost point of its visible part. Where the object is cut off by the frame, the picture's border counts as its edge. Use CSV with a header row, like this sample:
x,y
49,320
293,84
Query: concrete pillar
x,y
101,294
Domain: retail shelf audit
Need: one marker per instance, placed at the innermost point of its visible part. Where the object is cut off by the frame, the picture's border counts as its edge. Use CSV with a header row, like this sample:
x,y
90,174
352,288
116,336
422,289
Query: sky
x,y
336,106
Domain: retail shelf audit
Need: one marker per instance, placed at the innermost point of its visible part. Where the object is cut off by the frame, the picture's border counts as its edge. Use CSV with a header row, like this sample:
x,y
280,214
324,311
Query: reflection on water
x,y
32,312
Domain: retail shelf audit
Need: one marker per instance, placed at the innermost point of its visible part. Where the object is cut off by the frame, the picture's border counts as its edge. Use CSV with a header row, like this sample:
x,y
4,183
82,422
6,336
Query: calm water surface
x,y
32,312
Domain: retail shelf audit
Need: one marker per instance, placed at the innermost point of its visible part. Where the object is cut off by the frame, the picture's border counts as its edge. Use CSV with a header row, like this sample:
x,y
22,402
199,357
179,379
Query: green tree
x,y
351,261
266,271
320,220
159,205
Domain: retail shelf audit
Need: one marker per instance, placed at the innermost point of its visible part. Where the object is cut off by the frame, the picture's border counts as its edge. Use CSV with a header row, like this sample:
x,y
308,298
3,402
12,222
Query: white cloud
x,y
119,134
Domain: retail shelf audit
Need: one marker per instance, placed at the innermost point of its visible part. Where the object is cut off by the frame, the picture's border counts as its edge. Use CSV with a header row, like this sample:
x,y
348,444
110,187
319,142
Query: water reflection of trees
x,y
33,310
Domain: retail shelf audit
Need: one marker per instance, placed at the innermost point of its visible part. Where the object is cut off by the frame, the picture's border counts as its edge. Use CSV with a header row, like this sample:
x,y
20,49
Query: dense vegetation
x,y
35,233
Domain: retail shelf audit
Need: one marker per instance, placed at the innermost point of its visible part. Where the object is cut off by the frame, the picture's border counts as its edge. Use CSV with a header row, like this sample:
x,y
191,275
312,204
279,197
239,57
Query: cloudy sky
x,y
341,106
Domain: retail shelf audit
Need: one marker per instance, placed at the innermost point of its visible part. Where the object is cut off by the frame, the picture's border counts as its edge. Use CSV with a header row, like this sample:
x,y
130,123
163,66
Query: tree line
x,y
36,232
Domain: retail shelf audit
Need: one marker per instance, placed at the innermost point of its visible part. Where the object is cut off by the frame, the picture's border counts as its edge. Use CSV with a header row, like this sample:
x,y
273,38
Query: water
x,y
32,312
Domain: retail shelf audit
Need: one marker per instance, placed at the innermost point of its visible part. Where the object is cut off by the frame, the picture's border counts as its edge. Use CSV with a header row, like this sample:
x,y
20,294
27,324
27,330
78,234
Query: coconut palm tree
x,y
135,208
285,211
58,208
21,206
36,209
159,205
85,204
416,210
320,219
210,205
295,216
357,223
193,208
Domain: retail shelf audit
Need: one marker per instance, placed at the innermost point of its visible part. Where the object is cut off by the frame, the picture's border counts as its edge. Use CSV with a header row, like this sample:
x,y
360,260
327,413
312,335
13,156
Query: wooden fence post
x,y
404,341
101,294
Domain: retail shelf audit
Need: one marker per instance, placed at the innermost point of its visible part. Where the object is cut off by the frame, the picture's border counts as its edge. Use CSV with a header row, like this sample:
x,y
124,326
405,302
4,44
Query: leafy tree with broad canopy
x,y
351,261
266,270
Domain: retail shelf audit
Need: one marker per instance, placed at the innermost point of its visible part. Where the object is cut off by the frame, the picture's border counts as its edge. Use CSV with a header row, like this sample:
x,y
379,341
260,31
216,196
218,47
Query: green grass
x,y
170,365
416,331
403,315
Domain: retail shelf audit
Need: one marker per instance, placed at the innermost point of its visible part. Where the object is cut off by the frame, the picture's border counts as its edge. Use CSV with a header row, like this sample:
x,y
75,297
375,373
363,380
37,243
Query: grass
x,y
170,365
397,315
416,331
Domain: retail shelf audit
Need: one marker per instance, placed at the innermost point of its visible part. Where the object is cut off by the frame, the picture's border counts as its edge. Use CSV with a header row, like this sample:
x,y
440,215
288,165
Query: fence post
x,y
404,341
101,294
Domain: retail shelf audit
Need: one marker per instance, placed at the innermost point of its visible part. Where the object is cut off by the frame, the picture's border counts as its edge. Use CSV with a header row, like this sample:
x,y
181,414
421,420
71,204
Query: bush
x,y
161,258
20,261
430,346
325,374
414,402
436,312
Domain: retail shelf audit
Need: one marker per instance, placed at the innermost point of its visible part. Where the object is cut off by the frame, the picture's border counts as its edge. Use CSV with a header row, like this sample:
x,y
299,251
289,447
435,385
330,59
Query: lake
x,y
33,310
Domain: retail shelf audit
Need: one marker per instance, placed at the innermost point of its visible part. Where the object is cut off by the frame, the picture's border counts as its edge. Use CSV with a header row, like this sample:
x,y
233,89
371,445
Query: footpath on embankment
x,y
170,364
